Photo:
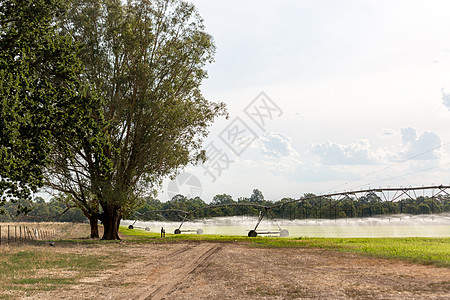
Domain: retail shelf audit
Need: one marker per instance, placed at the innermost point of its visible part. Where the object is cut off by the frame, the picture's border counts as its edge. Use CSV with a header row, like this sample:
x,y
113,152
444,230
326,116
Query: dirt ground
x,y
203,270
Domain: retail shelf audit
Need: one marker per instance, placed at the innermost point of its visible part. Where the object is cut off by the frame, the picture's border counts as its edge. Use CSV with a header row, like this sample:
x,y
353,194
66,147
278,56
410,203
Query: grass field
x,y
423,250
28,268
36,266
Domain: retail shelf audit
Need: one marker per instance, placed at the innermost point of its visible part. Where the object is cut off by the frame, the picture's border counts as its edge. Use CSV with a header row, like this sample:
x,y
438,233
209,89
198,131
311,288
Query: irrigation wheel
x,y
252,233
284,233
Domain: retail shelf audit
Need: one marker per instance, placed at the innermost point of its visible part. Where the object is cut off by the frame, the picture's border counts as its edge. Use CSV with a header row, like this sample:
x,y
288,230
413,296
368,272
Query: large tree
x,y
146,59
43,103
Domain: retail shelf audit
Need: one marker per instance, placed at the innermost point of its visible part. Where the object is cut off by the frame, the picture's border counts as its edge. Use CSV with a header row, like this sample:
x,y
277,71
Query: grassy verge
x,y
434,251
26,269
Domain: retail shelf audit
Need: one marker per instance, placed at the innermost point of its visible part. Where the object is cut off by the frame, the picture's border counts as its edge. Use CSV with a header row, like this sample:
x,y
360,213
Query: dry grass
x,y
54,230
28,266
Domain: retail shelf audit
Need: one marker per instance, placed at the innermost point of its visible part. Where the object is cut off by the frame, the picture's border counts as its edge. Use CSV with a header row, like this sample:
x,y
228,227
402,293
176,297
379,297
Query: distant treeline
x,y
54,210
312,207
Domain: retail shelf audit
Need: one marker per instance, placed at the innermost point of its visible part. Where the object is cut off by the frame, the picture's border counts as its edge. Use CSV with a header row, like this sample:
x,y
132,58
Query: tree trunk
x,y
93,222
111,220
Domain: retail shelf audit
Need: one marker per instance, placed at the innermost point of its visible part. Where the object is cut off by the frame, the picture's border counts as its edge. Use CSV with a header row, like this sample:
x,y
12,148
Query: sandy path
x,y
241,272
180,264
238,271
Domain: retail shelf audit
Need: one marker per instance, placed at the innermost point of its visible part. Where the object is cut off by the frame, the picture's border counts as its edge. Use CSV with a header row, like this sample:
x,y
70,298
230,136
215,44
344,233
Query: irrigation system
x,y
387,194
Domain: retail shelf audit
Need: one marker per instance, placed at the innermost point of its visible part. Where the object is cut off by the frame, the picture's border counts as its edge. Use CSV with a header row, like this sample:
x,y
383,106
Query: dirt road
x,y
238,271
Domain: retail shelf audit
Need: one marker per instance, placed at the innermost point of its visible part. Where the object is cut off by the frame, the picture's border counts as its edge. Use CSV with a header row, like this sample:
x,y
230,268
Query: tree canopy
x,y
146,59
43,102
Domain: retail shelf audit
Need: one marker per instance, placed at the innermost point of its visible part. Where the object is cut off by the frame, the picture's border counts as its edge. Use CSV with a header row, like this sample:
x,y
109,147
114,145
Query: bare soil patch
x,y
204,270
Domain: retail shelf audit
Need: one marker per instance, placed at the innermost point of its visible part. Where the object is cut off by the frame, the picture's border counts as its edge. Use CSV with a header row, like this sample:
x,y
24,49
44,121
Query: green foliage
x,y
147,61
43,103
257,197
310,208
40,211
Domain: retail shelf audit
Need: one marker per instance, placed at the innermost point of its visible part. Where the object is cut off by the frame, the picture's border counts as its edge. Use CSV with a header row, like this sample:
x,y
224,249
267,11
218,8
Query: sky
x,y
324,96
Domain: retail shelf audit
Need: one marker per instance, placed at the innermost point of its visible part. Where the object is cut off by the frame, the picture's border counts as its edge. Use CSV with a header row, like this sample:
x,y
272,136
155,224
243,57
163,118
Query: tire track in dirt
x,y
191,259
174,253
205,270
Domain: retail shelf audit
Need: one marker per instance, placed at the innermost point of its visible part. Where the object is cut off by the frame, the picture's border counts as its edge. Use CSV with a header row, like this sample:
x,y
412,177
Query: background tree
x,y
257,197
43,104
146,59
221,200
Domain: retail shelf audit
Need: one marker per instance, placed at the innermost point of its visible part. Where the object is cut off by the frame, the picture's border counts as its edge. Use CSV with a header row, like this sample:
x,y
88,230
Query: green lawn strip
x,y
435,251
137,235
43,269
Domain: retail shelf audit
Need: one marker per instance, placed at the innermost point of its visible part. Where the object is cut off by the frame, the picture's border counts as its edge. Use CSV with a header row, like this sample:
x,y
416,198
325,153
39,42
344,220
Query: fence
x,y
21,233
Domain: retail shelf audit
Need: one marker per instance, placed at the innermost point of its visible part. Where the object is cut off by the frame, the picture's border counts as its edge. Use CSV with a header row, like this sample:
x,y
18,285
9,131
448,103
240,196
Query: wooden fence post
x,y
0,234
8,235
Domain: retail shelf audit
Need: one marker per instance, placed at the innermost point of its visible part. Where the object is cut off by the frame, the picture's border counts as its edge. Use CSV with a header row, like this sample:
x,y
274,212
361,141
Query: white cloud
x,y
387,132
276,145
446,99
277,153
409,135
422,147
335,154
